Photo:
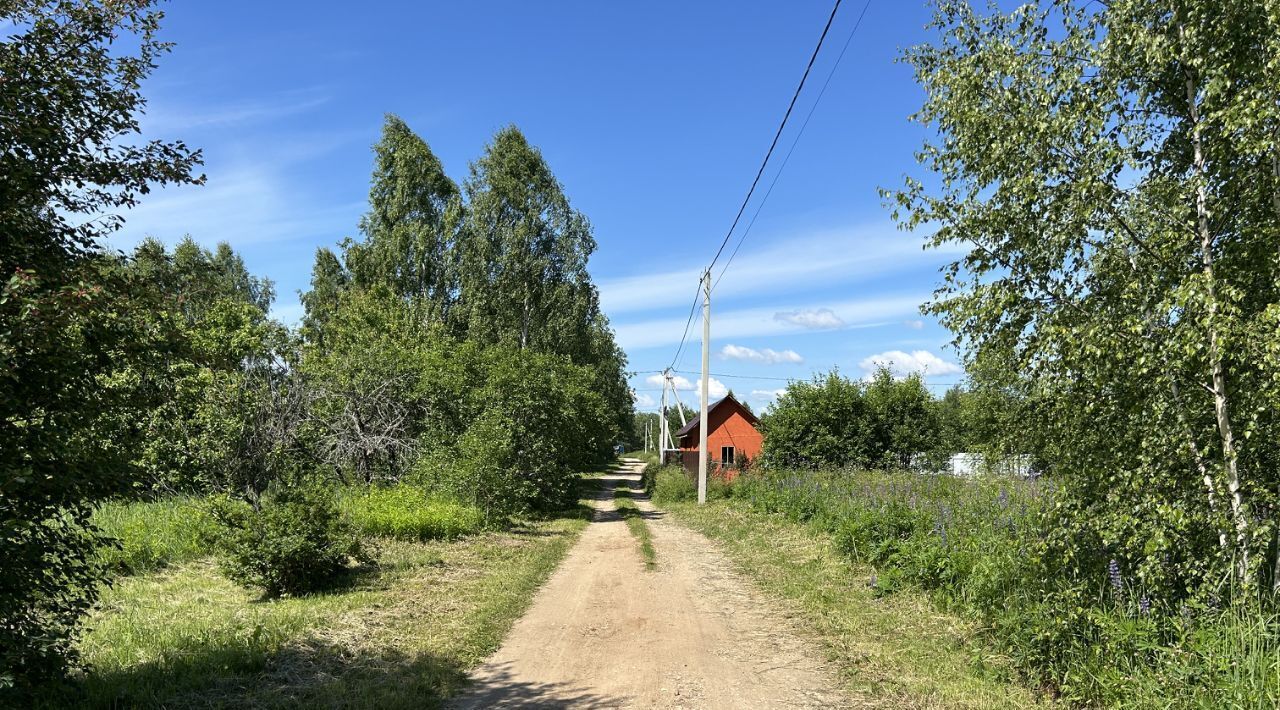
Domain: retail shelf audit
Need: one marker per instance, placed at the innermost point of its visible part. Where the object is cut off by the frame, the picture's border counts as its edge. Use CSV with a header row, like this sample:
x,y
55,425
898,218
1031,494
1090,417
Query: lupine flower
x,y
1113,572
1144,605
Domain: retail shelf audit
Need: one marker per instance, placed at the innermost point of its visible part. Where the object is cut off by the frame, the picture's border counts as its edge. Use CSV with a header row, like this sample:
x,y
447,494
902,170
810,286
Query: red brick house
x,y
732,440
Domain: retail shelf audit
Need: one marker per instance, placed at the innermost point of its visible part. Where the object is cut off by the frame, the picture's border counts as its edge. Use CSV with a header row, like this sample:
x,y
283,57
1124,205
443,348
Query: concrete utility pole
x,y
662,425
706,365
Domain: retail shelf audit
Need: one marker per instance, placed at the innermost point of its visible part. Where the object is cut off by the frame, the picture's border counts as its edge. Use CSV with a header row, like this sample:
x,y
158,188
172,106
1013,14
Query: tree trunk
x,y
1217,371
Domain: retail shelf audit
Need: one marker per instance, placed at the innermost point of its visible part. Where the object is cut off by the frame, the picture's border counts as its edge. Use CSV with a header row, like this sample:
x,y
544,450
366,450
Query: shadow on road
x,y
501,690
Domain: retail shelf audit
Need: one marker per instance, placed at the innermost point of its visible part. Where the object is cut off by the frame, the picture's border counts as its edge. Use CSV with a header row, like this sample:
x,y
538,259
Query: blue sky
x,y
654,116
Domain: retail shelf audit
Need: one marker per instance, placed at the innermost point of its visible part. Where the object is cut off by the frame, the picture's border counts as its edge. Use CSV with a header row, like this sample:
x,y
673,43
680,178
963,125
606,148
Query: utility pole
x,y
706,365
662,424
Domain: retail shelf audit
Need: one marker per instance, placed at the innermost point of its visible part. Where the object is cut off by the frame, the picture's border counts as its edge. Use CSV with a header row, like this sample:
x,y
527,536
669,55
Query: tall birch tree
x,y
1114,172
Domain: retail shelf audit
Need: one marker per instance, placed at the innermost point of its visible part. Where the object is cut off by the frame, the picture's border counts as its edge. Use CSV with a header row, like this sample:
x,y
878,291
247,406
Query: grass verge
x,y
897,650
401,635
624,501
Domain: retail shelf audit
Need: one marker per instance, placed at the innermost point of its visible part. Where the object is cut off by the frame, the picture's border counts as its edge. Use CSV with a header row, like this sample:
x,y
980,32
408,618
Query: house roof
x,y
727,398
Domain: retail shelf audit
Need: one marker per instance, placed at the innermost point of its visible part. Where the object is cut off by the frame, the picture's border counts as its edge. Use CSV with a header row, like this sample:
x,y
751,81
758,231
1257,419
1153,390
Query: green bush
x,y
407,512
294,541
672,485
149,535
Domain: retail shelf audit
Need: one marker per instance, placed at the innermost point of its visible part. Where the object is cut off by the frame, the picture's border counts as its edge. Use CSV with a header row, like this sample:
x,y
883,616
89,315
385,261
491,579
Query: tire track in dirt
x,y
605,633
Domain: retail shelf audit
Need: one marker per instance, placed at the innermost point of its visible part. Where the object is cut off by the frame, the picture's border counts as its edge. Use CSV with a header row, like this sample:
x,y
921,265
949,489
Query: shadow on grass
x,y
311,672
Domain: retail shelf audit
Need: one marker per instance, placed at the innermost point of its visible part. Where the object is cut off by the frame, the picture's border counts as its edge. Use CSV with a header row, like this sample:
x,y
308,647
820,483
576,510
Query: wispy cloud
x,y
914,324
791,262
902,363
247,205
170,117
766,355
754,322
811,318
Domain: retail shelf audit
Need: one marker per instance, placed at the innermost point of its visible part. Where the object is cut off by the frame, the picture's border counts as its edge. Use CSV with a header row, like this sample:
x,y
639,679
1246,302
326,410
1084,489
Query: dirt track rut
x,y
605,633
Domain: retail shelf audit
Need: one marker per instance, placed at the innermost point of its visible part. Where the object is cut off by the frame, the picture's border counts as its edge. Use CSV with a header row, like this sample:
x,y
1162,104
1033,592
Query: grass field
x,y
399,635
896,651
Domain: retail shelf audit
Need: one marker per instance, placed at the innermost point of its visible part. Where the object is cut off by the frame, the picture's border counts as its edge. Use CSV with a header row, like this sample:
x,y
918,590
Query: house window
x,y
726,455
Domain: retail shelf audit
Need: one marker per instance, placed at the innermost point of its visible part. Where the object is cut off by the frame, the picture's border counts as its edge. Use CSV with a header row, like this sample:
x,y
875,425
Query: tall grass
x,y
408,513
150,535
672,484
976,547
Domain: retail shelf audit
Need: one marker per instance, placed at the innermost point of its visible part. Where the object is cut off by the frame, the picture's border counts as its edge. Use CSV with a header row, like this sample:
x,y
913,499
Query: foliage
x,y
407,512
979,547
230,410
672,484
148,535
1112,172
834,421
75,352
293,541
414,214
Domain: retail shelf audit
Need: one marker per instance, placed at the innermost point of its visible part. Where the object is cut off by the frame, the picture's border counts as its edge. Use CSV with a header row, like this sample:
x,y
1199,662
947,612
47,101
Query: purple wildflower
x,y
1144,605
1113,572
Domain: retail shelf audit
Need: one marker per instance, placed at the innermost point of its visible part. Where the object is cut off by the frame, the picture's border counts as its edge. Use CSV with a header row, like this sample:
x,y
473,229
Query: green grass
x,y
646,456
153,534
624,501
896,651
408,513
402,635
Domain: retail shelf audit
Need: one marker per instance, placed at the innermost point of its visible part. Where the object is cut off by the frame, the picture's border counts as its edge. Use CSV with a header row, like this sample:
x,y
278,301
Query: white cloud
x,y
792,263
767,395
644,400
811,319
914,324
756,322
715,388
766,356
902,363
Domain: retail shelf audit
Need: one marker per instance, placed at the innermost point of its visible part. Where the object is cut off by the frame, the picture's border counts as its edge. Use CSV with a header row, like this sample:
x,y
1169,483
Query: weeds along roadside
x,y
978,549
441,595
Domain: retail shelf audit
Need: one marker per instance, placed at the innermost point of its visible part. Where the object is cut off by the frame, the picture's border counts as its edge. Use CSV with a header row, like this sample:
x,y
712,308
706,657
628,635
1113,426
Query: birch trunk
x,y
1217,372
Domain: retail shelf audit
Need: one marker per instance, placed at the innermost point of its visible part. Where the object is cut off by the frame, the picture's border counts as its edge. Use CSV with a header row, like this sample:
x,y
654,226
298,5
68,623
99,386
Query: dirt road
x,y
606,633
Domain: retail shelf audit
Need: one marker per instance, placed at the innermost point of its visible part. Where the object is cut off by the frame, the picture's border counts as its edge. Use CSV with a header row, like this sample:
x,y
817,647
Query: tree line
x,y
458,343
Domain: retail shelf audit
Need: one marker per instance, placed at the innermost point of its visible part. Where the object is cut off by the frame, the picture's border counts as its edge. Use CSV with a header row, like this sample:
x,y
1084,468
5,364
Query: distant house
x,y
732,439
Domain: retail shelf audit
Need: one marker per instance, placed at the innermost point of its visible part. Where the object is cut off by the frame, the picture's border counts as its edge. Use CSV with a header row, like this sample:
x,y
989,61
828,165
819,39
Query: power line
x,y
754,183
683,338
786,159
776,135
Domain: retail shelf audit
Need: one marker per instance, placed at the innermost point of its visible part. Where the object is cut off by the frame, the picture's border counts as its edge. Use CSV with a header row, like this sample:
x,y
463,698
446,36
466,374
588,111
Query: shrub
x,y
147,535
672,485
294,541
407,512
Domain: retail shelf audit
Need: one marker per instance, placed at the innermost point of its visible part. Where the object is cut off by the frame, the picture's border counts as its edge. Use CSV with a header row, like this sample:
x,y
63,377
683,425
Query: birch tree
x,y
1113,171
